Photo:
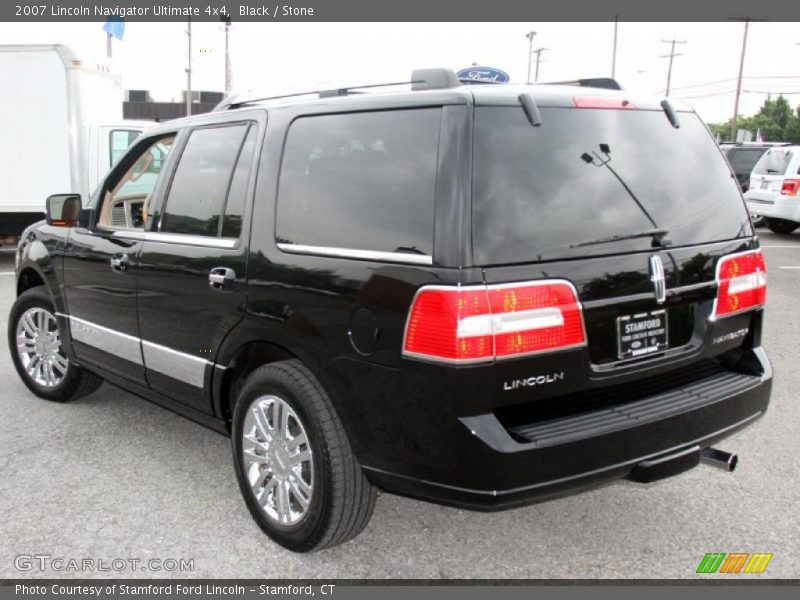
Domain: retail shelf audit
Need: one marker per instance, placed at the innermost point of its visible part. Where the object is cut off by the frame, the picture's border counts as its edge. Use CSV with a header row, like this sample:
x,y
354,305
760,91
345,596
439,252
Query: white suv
x,y
774,189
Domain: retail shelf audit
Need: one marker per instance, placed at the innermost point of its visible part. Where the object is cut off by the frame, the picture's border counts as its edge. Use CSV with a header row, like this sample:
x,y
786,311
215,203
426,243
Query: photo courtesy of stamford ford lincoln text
x,y
343,299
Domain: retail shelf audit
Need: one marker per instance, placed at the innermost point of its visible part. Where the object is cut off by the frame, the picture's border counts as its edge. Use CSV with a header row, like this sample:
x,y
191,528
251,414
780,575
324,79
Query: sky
x,y
270,57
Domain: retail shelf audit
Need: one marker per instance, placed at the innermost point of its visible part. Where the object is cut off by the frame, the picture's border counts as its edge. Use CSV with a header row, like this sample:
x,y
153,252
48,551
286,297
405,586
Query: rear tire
x,y
296,470
781,225
34,340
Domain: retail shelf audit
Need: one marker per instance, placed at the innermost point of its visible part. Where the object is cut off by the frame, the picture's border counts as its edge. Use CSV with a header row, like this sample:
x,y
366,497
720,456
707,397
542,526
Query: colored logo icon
x,y
734,562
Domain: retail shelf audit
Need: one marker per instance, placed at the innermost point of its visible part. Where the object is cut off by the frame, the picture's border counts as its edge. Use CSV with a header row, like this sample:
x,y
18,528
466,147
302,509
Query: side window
x,y
361,181
202,179
126,203
237,194
119,140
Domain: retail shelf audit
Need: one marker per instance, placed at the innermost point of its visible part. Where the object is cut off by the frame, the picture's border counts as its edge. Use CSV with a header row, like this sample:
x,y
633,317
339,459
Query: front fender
x,y
40,260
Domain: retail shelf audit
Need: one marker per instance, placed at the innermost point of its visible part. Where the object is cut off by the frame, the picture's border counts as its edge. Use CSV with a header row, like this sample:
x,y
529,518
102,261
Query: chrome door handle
x,y
119,263
221,278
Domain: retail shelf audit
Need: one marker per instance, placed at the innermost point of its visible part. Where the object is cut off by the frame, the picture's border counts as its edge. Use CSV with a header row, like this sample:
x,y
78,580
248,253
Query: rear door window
x,y
237,193
199,189
744,159
360,181
587,177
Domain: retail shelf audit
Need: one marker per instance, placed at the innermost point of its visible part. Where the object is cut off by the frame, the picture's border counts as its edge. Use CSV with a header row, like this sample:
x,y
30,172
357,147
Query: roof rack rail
x,y
753,142
606,83
421,79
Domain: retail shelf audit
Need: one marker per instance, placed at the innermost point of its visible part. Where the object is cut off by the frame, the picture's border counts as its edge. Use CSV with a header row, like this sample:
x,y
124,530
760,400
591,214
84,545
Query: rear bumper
x,y
501,468
774,206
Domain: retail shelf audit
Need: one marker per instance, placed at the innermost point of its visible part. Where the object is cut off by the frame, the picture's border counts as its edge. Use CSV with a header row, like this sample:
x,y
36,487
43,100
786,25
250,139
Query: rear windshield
x,y
774,162
744,159
586,177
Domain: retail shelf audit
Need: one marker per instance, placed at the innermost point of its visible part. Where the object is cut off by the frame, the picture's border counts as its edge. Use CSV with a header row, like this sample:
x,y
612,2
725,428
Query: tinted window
x,y
774,162
234,209
199,187
364,181
542,193
743,160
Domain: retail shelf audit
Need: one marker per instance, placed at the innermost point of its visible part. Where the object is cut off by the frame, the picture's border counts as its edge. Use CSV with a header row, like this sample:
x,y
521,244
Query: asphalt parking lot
x,y
113,476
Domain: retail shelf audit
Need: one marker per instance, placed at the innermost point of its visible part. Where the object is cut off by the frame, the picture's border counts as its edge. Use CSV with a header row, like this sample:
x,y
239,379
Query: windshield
x,y
744,159
588,175
774,162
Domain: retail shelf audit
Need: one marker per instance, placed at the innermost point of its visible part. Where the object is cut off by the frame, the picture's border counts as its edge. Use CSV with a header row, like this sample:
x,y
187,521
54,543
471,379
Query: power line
x,y
725,93
710,83
778,92
731,91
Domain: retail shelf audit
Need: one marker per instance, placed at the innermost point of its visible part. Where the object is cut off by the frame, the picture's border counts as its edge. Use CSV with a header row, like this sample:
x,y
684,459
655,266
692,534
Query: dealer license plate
x,y
641,334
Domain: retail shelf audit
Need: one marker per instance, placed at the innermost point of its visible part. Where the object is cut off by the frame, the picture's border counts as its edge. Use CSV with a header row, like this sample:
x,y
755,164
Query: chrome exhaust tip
x,y
719,458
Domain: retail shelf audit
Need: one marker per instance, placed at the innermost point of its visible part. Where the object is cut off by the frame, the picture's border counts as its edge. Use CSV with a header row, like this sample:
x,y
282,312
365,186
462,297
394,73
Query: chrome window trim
x,y
395,257
177,238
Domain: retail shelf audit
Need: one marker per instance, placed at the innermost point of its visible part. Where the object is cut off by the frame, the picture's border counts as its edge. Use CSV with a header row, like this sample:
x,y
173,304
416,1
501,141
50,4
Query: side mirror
x,y
63,210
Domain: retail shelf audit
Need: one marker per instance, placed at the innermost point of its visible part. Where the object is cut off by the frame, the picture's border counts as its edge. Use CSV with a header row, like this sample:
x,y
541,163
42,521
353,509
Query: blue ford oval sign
x,y
482,75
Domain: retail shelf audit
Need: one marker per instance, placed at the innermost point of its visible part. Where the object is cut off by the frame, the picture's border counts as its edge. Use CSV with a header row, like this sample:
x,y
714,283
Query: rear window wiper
x,y
658,236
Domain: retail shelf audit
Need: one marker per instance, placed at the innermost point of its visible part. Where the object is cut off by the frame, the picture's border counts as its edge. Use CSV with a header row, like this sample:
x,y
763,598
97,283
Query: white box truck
x,y
62,130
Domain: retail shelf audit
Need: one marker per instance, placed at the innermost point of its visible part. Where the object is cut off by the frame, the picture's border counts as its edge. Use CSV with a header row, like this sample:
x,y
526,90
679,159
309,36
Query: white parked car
x,y
774,190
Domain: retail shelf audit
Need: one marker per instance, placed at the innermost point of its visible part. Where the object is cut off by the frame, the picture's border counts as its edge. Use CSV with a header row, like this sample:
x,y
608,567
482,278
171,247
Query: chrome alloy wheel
x,y
39,347
277,460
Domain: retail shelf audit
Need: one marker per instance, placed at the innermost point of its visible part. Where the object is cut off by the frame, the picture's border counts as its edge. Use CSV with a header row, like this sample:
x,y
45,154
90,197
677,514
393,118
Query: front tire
x,y
34,340
781,225
296,471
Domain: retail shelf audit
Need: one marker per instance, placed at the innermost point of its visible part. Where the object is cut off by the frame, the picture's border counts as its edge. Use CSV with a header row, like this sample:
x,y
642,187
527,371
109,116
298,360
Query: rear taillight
x,y
790,187
481,323
742,281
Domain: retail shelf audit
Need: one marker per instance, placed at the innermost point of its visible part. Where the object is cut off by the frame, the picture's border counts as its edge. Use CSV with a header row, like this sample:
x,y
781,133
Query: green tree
x,y
777,121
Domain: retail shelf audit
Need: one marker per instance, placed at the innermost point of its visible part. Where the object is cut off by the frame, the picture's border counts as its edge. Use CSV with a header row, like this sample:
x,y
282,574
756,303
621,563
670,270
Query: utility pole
x,y
530,35
671,57
739,82
538,53
228,78
614,52
189,70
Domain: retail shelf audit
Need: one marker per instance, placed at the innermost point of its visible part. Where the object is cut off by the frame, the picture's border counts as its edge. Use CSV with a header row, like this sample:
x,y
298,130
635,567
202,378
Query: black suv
x,y
477,295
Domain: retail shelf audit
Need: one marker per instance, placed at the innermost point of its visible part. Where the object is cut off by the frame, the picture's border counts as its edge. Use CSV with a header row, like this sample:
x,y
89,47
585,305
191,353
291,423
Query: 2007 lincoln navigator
x,y
479,295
